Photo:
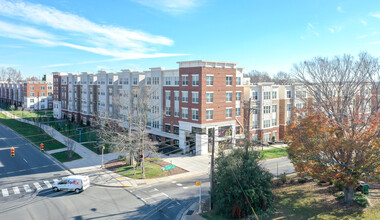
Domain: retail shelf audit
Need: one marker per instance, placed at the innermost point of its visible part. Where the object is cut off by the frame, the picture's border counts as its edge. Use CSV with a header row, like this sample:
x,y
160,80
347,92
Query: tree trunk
x,y
348,195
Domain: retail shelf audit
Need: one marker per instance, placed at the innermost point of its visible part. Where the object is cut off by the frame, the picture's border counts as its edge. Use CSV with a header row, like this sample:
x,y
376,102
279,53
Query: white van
x,y
72,183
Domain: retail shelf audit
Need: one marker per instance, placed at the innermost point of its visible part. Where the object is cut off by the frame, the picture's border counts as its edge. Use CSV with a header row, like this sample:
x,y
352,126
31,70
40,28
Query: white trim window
x,y
168,95
228,96
195,114
185,113
266,123
238,81
209,80
266,109
168,80
176,80
176,95
167,111
176,111
185,80
229,112
267,95
195,97
209,114
274,94
255,95
228,80
238,96
209,97
288,94
185,96
195,79
237,111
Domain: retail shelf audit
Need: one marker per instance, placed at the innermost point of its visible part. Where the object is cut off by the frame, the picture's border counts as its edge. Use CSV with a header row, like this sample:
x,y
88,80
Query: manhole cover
x,y
190,212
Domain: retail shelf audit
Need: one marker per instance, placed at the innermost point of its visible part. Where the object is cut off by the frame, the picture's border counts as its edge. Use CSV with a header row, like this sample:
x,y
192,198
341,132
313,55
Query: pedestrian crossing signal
x,y
42,147
12,152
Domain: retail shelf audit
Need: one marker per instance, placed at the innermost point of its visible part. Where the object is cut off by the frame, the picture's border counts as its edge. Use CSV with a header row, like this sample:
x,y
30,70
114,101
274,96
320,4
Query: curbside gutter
x,y
44,153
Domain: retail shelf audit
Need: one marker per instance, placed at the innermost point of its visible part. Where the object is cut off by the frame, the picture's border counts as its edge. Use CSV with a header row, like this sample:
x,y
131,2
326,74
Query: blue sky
x,y
42,36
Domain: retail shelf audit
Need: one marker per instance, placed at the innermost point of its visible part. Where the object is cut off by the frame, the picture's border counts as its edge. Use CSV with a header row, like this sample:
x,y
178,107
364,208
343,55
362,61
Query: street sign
x,y
168,167
198,183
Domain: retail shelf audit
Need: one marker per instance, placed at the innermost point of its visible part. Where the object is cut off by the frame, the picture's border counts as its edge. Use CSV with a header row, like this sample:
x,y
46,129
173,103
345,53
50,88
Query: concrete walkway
x,y
90,164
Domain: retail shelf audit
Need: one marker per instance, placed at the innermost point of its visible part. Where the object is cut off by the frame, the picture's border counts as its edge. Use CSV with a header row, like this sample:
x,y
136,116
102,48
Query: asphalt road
x,y
26,179
24,172
161,201
25,190
279,165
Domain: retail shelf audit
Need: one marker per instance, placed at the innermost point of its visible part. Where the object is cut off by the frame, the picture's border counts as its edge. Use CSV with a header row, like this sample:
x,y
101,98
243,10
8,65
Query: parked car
x,y
74,183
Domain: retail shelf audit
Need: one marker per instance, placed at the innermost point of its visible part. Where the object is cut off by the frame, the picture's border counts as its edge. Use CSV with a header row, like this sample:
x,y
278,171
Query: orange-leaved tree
x,y
337,137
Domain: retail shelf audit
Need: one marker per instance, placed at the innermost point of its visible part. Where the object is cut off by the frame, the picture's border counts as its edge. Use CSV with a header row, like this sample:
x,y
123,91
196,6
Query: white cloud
x,y
363,36
105,40
339,9
170,6
375,42
363,22
376,15
311,28
331,30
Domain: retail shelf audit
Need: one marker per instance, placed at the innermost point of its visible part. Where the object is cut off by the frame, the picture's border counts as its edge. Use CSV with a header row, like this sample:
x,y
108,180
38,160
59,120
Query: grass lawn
x,y
310,201
63,156
32,133
274,153
152,170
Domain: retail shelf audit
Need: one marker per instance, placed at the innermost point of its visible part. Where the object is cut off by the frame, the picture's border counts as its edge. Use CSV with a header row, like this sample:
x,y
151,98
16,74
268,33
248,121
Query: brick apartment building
x,y
37,95
188,106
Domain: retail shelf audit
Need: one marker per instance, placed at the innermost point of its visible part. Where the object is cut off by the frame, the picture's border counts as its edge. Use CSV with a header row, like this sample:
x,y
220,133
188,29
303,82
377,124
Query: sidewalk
x,y
90,164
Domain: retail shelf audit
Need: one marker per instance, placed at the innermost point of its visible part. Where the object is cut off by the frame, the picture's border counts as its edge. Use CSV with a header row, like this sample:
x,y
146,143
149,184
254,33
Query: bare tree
x,y
346,96
13,75
3,73
283,78
124,130
33,78
70,146
257,76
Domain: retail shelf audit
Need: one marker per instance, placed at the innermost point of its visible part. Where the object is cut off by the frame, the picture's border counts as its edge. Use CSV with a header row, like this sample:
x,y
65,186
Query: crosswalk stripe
x,y
5,192
179,184
47,183
27,188
38,186
55,180
16,190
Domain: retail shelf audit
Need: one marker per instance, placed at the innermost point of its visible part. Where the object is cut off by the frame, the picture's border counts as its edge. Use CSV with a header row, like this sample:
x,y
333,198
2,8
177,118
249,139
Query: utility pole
x,y
247,136
212,166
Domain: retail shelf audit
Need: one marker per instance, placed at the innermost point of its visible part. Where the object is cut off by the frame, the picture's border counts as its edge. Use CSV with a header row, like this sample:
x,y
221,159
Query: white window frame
x,y
212,114
195,76
208,81
229,108
197,97
212,97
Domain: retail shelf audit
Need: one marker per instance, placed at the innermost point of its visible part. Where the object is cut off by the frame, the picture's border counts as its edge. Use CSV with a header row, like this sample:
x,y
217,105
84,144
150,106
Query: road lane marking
x,y
25,160
166,195
153,190
157,195
174,181
185,187
27,188
38,186
16,190
47,183
55,180
179,184
5,192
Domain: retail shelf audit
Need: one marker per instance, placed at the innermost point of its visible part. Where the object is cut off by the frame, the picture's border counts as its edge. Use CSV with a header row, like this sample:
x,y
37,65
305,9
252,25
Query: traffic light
x,y
140,156
12,152
42,147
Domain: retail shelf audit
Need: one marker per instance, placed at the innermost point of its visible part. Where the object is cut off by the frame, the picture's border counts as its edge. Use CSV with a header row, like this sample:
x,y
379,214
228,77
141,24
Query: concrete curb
x,y
44,153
